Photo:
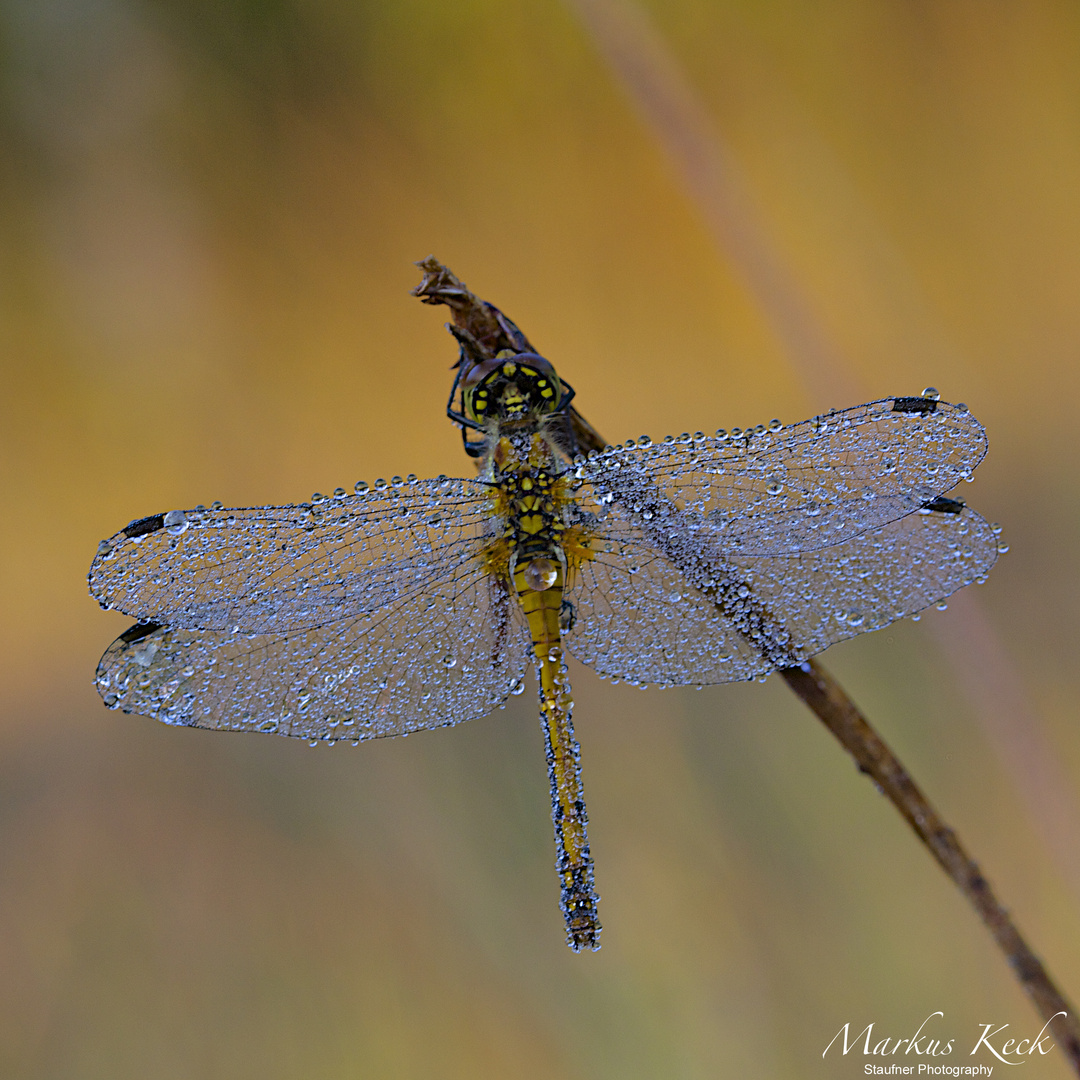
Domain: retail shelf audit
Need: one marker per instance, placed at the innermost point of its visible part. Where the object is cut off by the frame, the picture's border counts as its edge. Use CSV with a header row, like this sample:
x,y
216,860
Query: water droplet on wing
x,y
175,522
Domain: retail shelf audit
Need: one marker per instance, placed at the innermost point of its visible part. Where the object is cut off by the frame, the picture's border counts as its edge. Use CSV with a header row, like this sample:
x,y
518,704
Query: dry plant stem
x,y
695,146
486,331
482,331
827,699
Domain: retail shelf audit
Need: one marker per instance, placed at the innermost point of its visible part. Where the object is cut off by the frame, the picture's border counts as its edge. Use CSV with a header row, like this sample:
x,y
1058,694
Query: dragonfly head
x,y
513,386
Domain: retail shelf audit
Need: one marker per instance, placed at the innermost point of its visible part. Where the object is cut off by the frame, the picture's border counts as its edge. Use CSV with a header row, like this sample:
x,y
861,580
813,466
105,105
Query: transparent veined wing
x,y
832,594
661,602
635,616
277,569
809,485
452,651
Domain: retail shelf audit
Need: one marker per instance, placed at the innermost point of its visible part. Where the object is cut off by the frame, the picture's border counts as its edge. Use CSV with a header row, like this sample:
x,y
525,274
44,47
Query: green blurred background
x,y
209,214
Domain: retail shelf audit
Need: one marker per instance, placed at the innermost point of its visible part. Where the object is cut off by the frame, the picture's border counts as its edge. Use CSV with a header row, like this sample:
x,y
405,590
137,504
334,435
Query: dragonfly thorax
x,y
534,499
511,387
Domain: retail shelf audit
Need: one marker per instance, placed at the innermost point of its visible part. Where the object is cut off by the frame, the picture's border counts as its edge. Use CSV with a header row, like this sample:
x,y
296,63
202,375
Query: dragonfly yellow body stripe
x,y
536,555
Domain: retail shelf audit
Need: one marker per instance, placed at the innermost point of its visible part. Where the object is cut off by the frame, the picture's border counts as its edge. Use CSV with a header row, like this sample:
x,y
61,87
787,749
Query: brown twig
x,y
706,163
827,700
483,330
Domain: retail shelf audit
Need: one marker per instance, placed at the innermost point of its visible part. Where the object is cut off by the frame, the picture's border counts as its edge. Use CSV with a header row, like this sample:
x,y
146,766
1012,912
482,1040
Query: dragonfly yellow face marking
x,y
511,390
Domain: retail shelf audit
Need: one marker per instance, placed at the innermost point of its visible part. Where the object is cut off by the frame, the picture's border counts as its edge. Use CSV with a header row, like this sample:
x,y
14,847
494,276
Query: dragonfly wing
x,y
825,596
806,486
453,651
277,569
660,605
635,616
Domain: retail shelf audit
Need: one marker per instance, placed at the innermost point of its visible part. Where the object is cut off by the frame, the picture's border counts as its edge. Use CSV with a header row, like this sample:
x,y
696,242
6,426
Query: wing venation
x,y
279,569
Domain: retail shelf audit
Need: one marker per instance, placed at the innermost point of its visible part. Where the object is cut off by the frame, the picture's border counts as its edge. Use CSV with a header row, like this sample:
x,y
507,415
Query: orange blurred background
x,y
208,219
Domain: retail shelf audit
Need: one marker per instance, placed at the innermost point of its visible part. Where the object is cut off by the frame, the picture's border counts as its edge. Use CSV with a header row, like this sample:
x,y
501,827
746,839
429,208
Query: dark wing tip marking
x,y
944,506
922,405
145,525
139,631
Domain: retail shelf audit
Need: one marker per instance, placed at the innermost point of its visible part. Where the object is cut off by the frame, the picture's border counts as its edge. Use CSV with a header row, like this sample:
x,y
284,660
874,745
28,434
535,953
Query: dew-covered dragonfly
x,y
415,604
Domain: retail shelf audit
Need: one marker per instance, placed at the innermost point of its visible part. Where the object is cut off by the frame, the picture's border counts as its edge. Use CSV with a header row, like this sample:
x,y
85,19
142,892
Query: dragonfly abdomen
x,y
538,565
542,607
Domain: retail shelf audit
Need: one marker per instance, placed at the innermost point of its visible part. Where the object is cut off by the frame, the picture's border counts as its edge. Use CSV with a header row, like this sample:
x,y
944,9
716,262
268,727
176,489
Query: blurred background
x,y
705,214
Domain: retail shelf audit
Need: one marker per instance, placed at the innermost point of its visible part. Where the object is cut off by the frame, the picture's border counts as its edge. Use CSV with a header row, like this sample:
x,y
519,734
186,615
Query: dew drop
x,y
449,661
360,487
175,522
339,493
541,574
931,392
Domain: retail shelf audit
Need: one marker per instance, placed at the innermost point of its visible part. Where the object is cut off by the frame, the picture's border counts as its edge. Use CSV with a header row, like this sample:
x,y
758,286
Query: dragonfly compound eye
x,y
512,386
541,574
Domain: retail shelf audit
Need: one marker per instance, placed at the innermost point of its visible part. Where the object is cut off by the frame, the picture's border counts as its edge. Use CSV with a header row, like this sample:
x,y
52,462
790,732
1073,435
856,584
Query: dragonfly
x,y
419,603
